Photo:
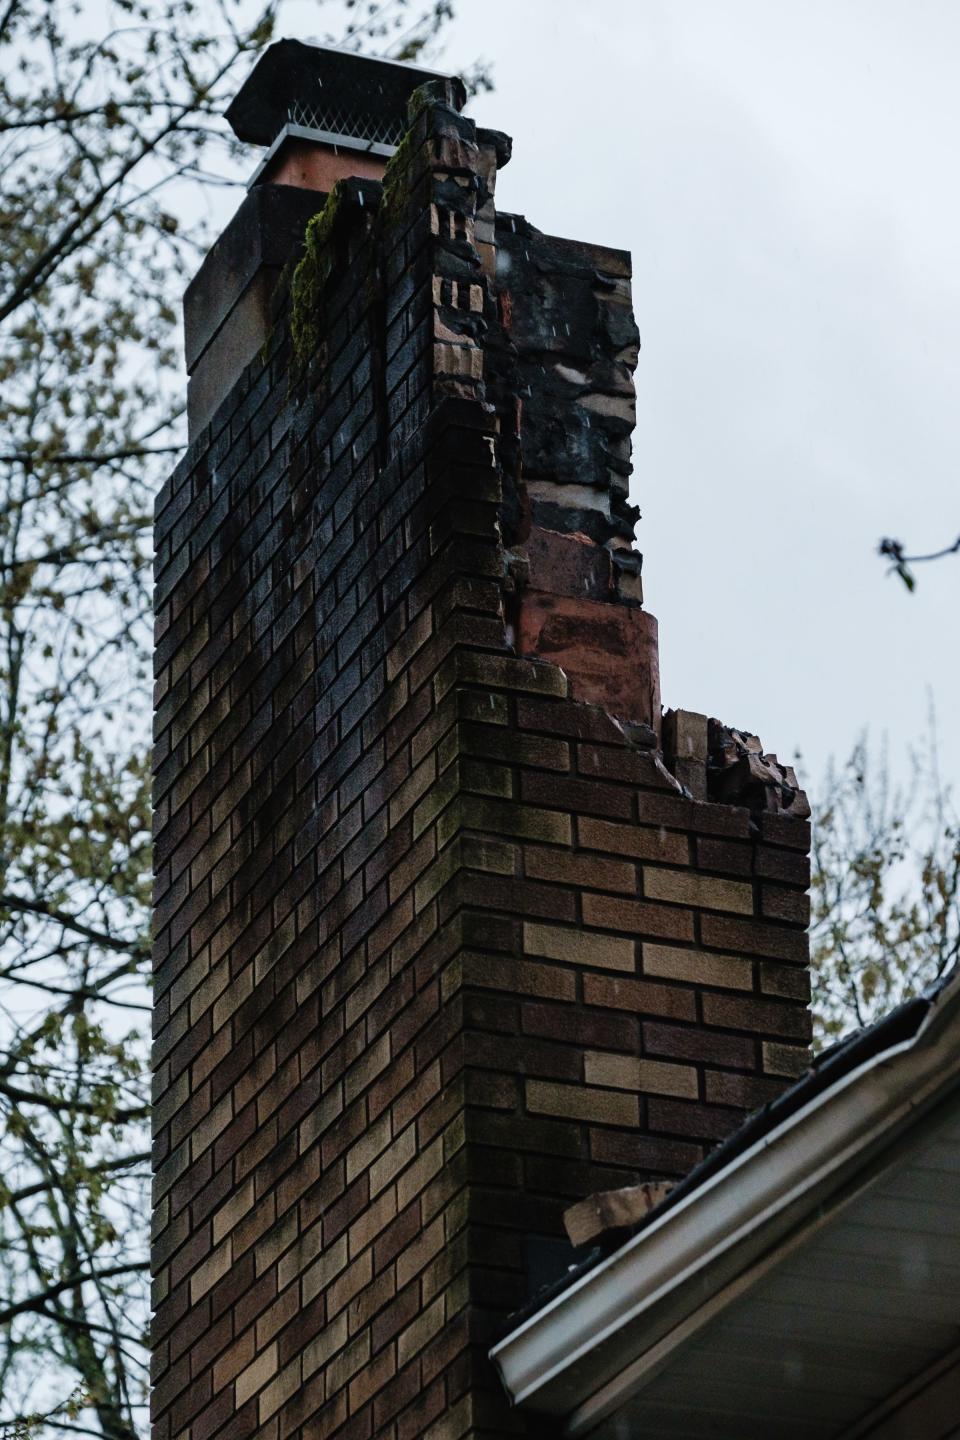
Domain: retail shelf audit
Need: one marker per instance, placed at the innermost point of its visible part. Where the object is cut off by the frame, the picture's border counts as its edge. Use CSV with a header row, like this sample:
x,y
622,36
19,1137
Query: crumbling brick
x,y
442,941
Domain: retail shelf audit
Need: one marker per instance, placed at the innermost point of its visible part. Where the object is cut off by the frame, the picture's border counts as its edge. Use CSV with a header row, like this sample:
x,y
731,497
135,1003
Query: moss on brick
x,y
395,187
309,279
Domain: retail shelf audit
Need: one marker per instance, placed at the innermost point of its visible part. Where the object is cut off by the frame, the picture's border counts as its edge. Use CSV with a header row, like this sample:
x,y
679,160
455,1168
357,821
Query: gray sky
x,y
785,176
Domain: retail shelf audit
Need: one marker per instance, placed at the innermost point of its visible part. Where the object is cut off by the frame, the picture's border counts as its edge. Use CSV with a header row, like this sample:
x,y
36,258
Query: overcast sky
x,y
785,174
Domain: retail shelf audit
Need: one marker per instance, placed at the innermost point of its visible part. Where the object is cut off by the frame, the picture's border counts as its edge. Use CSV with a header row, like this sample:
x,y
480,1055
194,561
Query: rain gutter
x,y
606,1336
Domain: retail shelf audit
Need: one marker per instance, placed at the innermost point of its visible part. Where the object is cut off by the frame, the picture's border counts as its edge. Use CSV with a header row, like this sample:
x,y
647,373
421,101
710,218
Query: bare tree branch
x,y
894,550
21,904
70,1282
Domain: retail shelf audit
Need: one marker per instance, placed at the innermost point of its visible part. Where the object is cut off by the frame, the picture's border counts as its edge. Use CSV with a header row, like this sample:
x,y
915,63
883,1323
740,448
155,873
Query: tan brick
x,y
321,1274
256,1375
348,1362
375,1139
424,1248
504,817
425,1168
698,967
437,874
578,947
374,982
454,1136
373,1221
321,1117
231,1213
591,872
643,842
350,1282
234,1359
277,1316
455,1422
318,1350
443,804
685,732
632,1072
494,856
413,789
415,635
372,1379
268,1250
211,990
535,677
398,1154
211,1126
485,777
281,1390
213,1269
686,887
418,1335
300,1255
375,1058
577,1102
241,988
489,709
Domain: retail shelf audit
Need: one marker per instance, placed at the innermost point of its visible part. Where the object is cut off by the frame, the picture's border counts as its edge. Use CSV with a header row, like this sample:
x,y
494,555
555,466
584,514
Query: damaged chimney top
x,y
327,96
325,116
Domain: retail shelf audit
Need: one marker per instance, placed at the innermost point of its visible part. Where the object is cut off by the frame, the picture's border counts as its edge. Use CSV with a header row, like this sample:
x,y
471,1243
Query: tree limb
x,y
20,903
108,1167
74,1106
36,1302
893,550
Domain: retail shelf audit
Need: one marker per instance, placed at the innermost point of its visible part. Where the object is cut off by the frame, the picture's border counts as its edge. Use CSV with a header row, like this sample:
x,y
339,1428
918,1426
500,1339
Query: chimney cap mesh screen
x,y
335,91
377,129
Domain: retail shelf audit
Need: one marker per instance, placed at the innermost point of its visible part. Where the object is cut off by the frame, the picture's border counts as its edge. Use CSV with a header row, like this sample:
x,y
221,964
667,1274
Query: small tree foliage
x,y
886,887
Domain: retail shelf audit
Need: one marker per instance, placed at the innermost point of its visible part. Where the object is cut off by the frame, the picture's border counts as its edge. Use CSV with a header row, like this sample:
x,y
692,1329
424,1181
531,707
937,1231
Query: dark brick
x,y
694,1042
700,1122
726,856
753,936
737,1012
398,868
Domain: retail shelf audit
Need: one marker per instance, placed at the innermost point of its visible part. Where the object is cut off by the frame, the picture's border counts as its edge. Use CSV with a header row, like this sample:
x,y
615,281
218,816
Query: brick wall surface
x,y
439,947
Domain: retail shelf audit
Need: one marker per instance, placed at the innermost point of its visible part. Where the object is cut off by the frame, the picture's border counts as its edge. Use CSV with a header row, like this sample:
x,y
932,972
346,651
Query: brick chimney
x,y
453,928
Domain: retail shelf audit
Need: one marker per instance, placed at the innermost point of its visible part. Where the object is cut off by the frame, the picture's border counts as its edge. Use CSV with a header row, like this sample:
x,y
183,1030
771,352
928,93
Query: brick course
x,y
439,946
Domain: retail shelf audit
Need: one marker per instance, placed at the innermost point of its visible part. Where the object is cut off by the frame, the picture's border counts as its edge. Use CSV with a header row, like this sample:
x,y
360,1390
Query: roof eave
x,y
596,1343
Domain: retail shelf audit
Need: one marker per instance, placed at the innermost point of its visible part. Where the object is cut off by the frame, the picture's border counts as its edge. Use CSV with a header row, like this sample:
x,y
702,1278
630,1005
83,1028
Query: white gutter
x,y
602,1339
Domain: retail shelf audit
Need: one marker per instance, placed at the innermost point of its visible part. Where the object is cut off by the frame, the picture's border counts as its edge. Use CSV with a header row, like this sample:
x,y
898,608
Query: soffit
x,y
864,1303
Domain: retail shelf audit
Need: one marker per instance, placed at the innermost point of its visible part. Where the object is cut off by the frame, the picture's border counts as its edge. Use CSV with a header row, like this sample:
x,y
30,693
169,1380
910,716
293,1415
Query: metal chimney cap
x,y
337,93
